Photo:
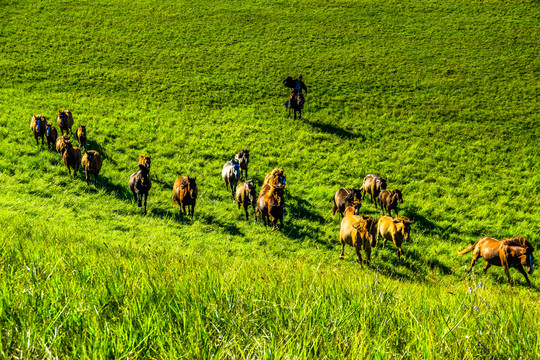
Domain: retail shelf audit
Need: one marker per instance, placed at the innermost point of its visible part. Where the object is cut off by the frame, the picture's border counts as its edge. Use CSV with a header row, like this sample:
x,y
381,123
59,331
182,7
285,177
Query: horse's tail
x,y
334,210
469,249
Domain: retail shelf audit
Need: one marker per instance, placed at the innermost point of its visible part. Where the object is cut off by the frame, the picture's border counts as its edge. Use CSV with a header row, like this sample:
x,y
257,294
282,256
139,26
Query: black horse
x,y
296,103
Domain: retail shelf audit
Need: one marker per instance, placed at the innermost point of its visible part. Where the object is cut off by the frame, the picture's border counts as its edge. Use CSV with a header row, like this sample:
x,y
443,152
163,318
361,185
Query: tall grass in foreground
x,y
87,299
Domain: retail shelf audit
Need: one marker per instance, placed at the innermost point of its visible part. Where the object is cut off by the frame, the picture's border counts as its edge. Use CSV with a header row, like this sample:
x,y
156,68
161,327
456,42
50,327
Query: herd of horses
x,y
362,232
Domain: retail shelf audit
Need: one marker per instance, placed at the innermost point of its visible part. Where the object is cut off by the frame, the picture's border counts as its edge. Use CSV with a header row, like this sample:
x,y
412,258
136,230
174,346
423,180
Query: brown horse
x,y
81,136
51,135
516,252
276,177
389,201
91,163
246,195
344,198
396,230
72,157
185,194
65,121
38,125
140,184
243,159
270,203
373,185
357,231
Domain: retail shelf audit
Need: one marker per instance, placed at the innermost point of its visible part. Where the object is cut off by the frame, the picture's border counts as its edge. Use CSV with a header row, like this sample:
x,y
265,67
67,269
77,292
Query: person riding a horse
x,y
297,89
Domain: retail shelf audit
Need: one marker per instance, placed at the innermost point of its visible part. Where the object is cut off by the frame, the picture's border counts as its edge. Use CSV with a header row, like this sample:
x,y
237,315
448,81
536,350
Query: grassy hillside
x,y
439,98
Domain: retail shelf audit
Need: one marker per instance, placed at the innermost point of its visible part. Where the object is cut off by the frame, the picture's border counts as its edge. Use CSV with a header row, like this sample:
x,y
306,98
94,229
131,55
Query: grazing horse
x,y
51,135
276,177
140,185
38,125
231,175
516,252
389,201
243,159
185,194
91,162
64,121
81,136
397,230
246,195
373,185
270,204
72,157
296,103
344,198
357,231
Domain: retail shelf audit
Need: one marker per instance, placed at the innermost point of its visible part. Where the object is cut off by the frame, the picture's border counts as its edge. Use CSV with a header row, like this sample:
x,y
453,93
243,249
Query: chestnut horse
x,y
270,203
185,194
515,252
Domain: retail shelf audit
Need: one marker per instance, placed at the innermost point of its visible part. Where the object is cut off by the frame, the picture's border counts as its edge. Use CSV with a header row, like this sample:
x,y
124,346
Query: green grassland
x,y
441,98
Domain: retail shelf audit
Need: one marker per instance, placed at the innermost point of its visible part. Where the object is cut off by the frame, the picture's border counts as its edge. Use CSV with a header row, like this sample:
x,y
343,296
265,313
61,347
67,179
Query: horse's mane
x,y
521,242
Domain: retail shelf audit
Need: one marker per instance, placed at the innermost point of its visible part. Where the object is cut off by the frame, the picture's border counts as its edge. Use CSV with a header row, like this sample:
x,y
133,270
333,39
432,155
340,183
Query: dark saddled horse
x,y
296,103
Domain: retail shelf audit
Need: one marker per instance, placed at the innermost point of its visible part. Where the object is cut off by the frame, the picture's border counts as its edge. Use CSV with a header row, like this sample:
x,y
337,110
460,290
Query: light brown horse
x,y
356,231
185,194
270,204
81,136
516,252
397,230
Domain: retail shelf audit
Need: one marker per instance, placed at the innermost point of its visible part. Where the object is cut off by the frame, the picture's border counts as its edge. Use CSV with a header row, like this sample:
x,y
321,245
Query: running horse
x,y
515,252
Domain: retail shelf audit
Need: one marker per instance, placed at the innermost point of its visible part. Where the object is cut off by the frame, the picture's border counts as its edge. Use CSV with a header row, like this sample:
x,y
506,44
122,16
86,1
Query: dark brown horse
x,y
185,194
516,252
140,185
38,125
344,198
51,135
243,160
295,103
389,200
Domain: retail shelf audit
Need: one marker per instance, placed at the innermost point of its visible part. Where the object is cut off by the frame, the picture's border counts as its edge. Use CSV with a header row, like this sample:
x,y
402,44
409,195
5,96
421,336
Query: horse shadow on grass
x,y
94,145
299,209
336,131
226,226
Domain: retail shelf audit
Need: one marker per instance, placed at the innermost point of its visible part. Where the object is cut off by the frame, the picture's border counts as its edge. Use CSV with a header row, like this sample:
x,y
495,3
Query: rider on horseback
x,y
297,89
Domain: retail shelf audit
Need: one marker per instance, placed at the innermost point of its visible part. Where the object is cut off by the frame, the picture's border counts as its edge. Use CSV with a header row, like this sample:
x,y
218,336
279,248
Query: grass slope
x,y
441,99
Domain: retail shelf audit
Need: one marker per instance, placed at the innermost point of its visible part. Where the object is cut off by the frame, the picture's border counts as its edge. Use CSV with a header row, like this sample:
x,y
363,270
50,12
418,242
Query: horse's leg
x,y
342,255
145,198
522,270
246,210
486,267
281,221
299,114
192,209
476,256
358,254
